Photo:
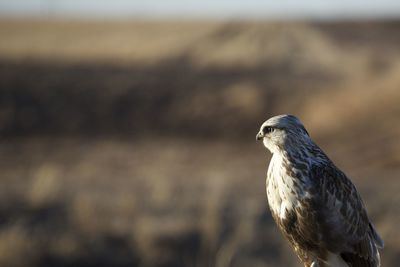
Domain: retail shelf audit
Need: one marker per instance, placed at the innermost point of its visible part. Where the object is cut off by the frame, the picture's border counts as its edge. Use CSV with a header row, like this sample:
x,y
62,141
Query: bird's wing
x,y
343,218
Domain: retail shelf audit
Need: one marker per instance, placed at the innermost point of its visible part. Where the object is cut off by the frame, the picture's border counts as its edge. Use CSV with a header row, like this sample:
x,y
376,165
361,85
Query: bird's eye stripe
x,y
267,129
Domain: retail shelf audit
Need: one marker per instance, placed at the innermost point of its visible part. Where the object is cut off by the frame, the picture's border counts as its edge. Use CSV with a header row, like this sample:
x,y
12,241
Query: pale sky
x,y
204,8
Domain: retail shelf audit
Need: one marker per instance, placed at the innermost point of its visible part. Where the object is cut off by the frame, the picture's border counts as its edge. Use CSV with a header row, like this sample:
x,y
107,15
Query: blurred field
x,y
131,143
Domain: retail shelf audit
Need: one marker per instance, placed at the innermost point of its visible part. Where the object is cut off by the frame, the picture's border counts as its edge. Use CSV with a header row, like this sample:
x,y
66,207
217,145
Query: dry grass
x,y
132,143
144,42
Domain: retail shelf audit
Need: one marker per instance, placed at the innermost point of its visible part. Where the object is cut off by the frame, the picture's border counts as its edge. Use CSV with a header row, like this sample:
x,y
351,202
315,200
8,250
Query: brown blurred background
x,y
131,142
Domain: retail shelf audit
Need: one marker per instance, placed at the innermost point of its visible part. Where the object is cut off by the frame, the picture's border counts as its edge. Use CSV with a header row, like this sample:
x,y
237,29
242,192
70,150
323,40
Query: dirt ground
x,y
132,143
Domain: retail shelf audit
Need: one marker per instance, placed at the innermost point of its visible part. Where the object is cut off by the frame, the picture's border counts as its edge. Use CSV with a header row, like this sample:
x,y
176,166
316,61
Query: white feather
x,y
336,261
279,188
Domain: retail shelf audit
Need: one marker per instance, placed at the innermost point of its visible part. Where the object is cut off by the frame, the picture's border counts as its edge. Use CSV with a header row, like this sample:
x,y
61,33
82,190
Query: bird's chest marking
x,y
283,191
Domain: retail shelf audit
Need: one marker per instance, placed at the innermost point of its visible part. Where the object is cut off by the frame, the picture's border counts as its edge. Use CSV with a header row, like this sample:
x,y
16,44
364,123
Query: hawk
x,y
315,205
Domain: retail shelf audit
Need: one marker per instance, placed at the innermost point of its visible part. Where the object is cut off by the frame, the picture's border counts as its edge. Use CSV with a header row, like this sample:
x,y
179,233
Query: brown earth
x,y
131,143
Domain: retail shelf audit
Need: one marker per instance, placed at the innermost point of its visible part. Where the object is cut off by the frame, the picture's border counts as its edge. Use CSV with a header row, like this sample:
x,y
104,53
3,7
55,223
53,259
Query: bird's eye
x,y
267,129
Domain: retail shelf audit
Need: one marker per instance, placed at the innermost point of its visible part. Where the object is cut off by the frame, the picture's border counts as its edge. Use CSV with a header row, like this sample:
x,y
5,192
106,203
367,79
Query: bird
x,y
314,204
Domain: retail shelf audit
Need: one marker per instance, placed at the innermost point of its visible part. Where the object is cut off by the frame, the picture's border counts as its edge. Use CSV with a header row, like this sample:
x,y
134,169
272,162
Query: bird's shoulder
x,y
338,200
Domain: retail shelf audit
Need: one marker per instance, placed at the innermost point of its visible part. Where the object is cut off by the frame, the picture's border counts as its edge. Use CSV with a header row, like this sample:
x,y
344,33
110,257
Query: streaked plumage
x,y
315,205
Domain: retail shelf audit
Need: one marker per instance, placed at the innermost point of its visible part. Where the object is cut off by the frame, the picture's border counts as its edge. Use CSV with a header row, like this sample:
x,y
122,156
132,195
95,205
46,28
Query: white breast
x,y
281,194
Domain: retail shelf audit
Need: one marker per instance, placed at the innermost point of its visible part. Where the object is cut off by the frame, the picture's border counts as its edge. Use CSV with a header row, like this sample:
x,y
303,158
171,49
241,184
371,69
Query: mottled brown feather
x,y
348,230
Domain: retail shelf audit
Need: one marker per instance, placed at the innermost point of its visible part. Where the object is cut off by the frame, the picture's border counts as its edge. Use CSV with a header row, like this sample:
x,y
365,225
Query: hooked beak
x,y
259,136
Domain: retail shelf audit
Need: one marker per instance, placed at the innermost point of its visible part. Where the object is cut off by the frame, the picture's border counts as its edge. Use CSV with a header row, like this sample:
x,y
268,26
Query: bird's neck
x,y
301,157
291,156
299,149
295,163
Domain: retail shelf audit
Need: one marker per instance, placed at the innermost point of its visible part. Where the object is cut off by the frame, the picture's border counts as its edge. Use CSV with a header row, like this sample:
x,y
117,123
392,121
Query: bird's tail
x,y
375,236
366,253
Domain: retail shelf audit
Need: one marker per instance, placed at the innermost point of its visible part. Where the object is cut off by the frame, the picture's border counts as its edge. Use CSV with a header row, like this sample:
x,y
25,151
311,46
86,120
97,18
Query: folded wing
x,y
342,218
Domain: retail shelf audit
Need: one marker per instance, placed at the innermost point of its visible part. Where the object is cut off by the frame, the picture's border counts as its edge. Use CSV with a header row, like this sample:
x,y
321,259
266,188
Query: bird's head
x,y
282,131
